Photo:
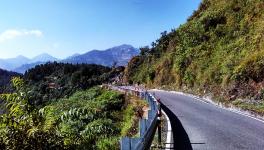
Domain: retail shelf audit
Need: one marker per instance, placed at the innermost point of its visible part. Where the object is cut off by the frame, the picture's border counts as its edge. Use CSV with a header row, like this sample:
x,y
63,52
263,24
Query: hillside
x,y
62,106
5,77
219,51
94,118
51,81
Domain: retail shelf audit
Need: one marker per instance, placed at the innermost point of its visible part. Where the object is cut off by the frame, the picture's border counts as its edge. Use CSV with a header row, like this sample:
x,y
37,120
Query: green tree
x,y
23,125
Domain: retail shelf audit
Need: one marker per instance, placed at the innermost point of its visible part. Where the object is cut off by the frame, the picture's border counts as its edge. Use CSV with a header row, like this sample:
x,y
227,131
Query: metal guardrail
x,y
147,126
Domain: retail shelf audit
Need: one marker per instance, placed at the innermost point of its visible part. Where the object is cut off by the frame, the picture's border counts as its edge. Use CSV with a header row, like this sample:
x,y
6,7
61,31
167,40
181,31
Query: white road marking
x,y
169,132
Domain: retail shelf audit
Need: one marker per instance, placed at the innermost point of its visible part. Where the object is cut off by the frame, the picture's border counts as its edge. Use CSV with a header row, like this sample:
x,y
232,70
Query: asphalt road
x,y
209,127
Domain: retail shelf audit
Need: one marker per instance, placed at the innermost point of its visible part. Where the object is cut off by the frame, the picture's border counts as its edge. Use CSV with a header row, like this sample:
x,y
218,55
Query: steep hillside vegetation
x,y
5,78
51,81
61,106
93,119
220,50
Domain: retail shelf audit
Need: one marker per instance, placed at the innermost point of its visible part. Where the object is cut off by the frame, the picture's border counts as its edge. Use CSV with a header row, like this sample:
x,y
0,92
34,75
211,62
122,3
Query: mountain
x,y
23,68
11,63
219,52
74,55
5,77
38,60
21,63
43,58
119,54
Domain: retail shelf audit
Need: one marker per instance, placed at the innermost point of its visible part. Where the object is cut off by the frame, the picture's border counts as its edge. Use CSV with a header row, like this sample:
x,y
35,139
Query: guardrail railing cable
x,y
147,126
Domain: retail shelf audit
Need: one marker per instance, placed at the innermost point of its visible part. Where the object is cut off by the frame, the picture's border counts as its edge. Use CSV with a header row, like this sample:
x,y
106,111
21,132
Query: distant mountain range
x,y
119,55
23,68
12,63
43,58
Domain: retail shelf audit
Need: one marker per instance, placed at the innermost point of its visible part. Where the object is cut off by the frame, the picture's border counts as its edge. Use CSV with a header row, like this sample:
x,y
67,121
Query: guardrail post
x,y
125,143
134,143
150,114
143,126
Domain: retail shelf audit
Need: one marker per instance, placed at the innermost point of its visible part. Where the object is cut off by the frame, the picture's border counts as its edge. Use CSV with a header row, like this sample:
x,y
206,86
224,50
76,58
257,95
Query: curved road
x,y
212,128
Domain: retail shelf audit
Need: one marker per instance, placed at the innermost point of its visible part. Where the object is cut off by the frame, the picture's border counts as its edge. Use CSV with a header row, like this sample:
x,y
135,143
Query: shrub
x,y
252,67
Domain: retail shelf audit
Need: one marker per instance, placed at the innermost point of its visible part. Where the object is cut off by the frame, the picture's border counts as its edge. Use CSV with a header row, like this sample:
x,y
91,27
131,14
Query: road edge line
x,y
169,132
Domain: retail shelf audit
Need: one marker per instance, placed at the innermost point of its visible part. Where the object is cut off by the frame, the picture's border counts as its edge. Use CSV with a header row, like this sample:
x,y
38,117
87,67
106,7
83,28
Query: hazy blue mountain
x,y
74,55
11,63
119,54
43,58
22,63
23,68
40,59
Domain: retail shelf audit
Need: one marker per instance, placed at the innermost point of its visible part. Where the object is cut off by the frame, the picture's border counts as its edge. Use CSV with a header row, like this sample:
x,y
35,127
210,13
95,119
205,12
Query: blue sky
x,y
64,27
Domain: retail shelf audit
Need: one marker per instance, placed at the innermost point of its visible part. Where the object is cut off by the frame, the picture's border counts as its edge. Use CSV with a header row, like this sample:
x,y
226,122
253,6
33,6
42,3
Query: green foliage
x,y
252,67
221,43
22,127
128,118
108,144
53,81
5,80
256,107
90,119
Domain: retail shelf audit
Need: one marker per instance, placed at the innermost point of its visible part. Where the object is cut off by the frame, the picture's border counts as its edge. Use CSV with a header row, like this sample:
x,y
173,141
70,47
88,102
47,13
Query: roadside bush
x,y
252,67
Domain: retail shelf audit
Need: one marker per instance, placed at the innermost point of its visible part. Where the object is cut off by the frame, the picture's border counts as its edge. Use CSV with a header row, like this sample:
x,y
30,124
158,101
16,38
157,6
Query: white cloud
x,y
12,34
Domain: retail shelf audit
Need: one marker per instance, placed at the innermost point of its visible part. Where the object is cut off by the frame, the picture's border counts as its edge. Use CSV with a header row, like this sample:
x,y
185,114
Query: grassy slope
x,y
94,119
220,50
